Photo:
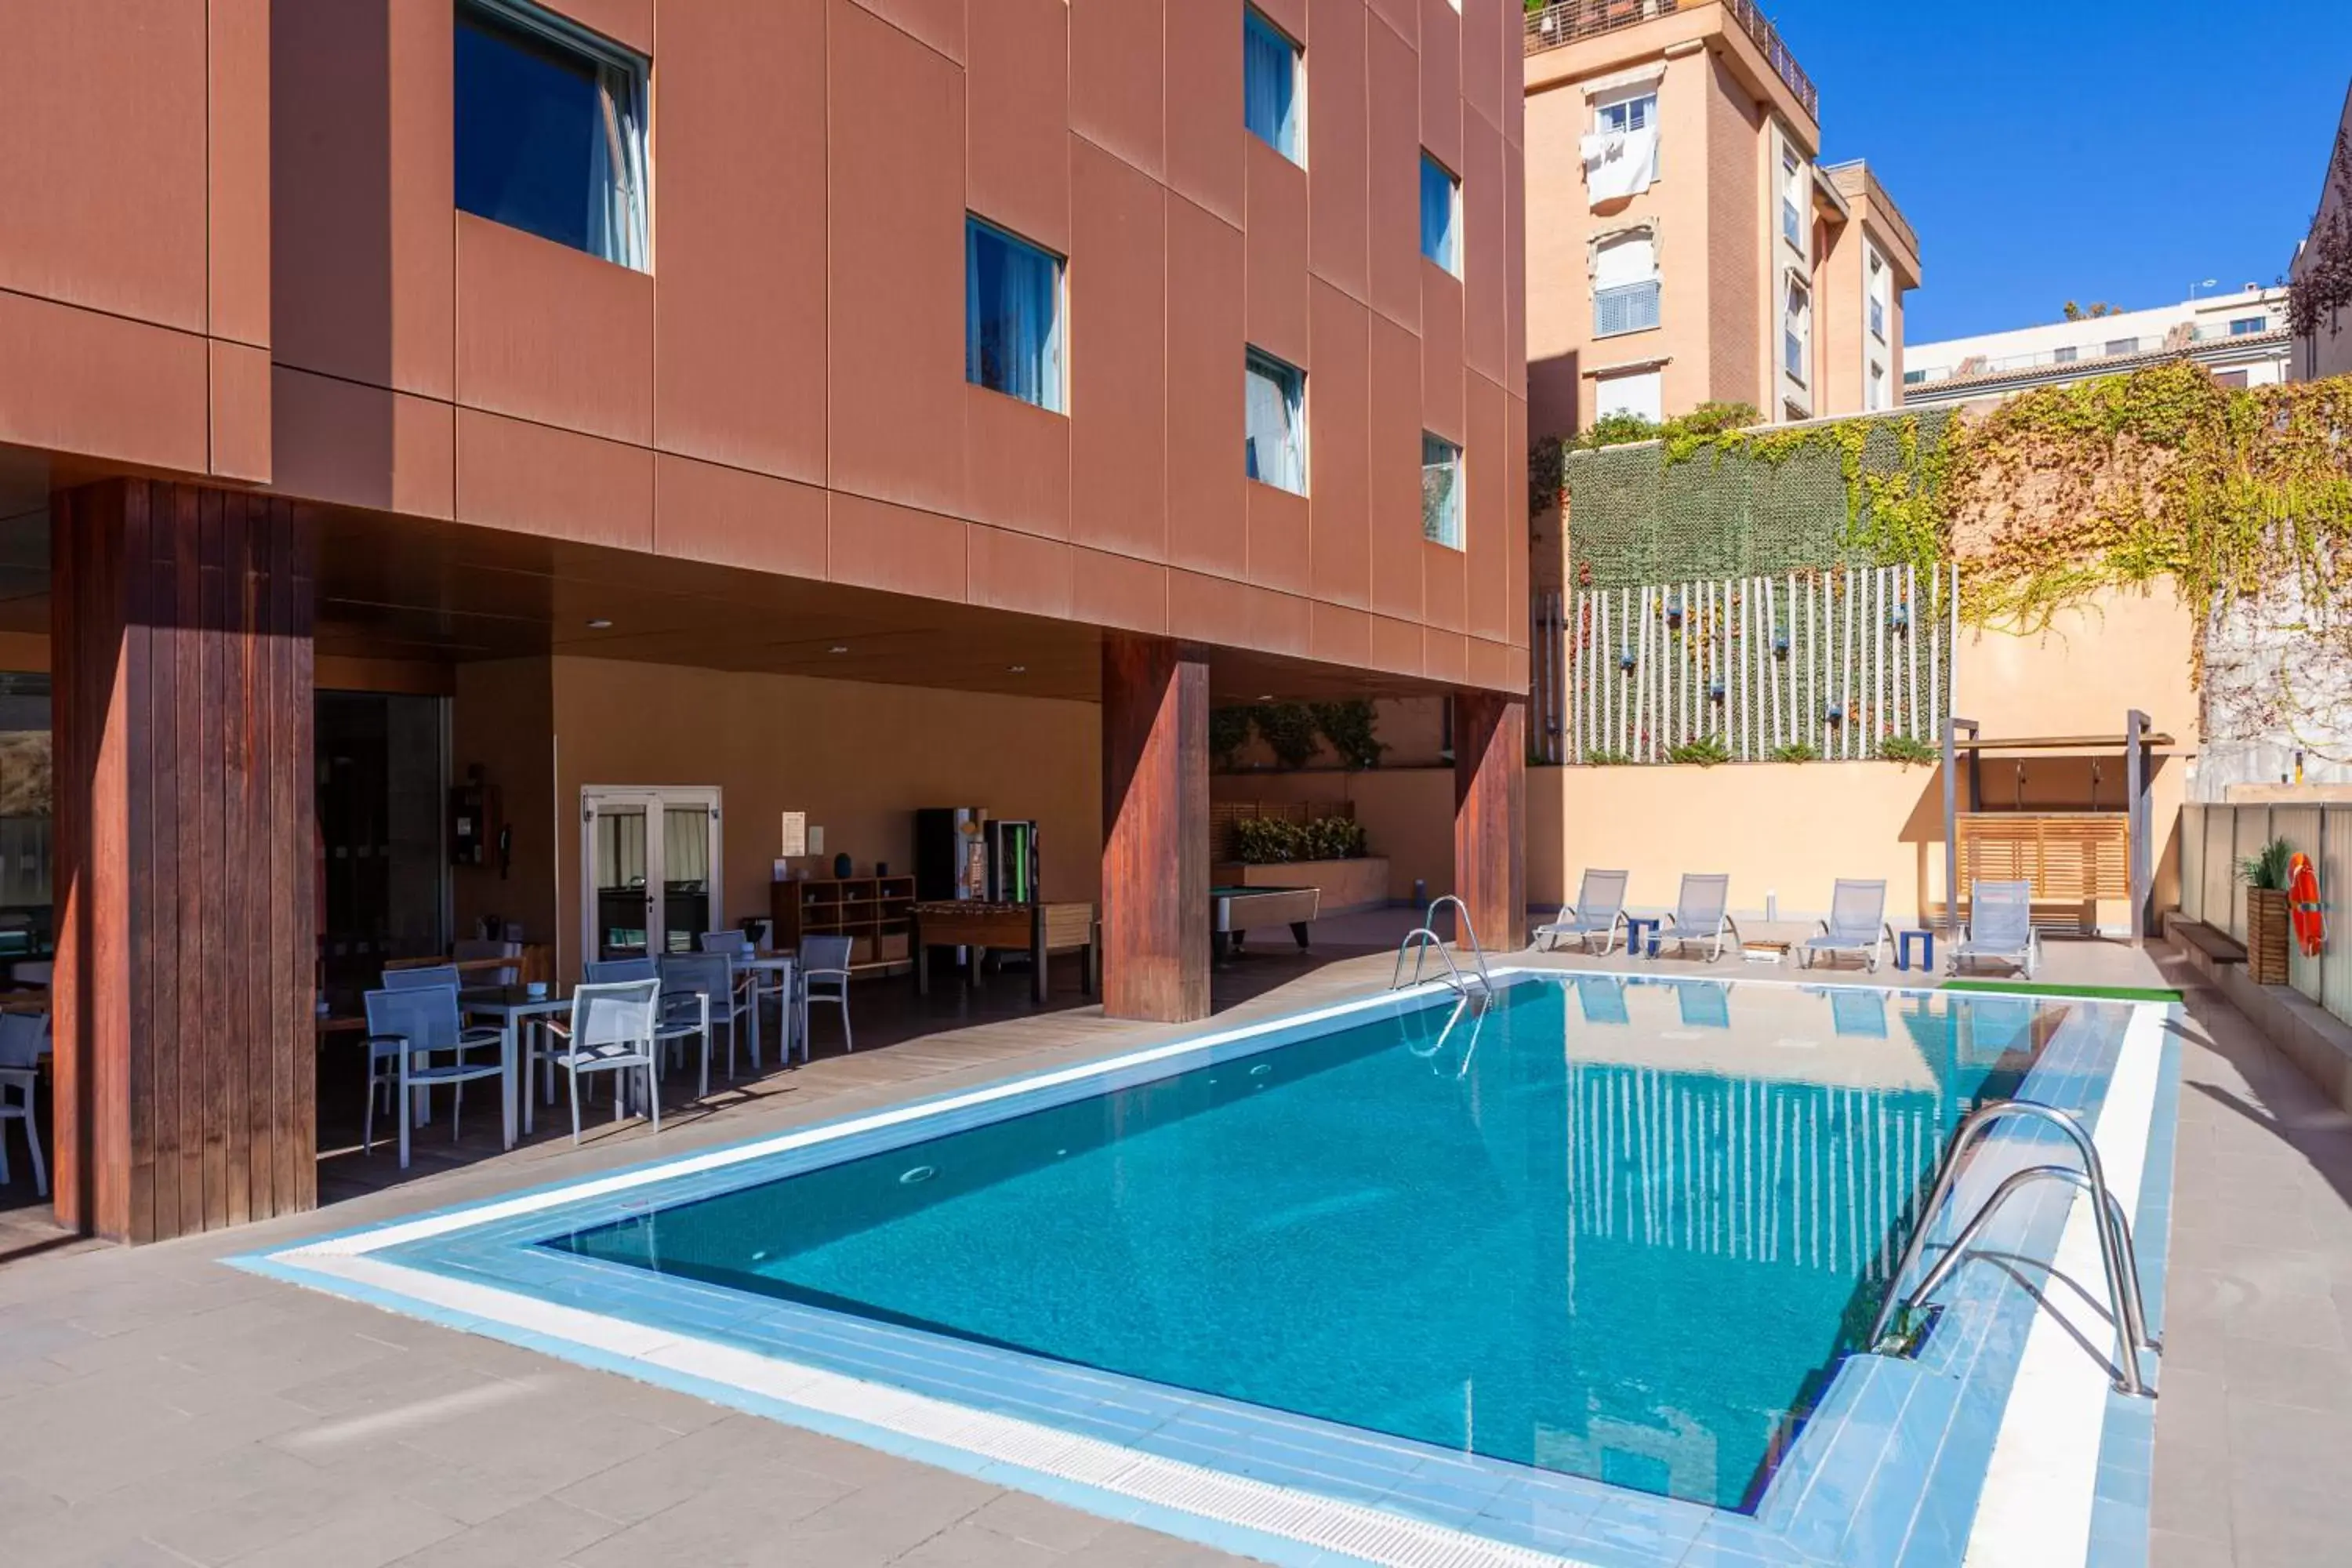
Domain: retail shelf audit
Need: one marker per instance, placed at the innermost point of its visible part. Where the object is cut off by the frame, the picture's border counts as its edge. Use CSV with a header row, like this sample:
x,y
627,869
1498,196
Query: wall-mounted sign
x,y
795,836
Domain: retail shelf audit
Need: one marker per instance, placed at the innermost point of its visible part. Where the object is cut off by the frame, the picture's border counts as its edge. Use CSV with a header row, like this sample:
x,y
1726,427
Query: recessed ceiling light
x,y
599,624
839,647
1265,697
1018,668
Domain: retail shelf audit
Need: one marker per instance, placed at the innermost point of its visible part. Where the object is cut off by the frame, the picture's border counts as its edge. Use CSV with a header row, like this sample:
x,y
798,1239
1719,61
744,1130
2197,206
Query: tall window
x,y
1011,316
1878,294
1640,394
2123,345
1441,492
1441,215
1275,405
1792,206
1875,397
550,134
1797,333
1272,90
1625,283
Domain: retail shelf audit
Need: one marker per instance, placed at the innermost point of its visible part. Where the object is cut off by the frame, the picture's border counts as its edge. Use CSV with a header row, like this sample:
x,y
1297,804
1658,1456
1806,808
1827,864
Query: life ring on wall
x,y
2303,904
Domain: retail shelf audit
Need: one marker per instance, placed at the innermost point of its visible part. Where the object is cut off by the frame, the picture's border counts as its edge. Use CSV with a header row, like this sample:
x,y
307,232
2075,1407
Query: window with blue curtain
x,y
549,131
1012,316
1274,404
1441,215
1271,99
1441,492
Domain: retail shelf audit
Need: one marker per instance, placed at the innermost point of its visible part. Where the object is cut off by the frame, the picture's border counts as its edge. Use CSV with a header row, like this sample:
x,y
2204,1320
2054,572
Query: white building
x,y
2241,337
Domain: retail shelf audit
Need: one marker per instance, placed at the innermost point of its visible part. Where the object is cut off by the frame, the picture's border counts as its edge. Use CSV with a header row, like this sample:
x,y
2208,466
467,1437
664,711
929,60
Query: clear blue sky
x,y
2056,150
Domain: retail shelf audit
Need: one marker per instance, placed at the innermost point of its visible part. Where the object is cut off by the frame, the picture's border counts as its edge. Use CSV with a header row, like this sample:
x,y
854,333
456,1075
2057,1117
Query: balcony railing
x,y
1564,22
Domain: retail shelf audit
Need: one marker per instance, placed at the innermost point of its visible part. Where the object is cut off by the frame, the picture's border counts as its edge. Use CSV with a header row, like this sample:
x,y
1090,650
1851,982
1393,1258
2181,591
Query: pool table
x,y
1237,912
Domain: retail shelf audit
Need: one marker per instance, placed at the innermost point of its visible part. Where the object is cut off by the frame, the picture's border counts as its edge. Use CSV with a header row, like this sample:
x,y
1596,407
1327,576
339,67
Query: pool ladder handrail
x,y
1423,937
2117,1257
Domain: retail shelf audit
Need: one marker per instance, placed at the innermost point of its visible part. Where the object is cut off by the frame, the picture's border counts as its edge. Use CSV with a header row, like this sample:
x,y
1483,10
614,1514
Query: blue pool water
x,y
1625,1231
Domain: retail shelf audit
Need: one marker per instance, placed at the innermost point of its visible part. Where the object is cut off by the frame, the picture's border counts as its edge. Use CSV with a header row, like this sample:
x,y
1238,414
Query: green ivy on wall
x,y
1295,731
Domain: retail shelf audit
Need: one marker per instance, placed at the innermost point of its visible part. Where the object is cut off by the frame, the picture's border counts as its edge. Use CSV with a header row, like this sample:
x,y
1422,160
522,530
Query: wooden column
x,y
1155,925
185,889
1490,794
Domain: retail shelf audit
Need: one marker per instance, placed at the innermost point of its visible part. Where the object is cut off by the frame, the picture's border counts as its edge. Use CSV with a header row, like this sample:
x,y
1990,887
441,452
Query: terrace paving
x,y
159,1408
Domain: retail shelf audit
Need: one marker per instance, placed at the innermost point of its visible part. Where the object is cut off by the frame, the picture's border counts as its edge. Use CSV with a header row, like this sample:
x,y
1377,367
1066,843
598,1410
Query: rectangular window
x,y
2123,345
1877,396
1792,210
1273,402
1617,116
1797,334
1914,377
2067,355
1272,95
2246,325
1441,215
1625,292
1011,316
1641,395
1441,492
1878,295
550,130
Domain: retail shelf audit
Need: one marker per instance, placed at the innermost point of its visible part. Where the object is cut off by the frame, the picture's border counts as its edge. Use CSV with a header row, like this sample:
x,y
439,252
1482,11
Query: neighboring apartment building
x,y
1685,243
832,408
2322,271
2241,337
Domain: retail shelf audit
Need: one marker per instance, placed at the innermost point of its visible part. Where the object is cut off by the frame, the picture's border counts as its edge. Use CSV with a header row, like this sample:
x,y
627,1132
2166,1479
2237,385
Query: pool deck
x,y
159,1408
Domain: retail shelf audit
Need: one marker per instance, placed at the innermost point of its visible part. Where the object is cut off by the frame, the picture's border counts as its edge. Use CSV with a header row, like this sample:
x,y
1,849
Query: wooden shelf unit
x,y
877,913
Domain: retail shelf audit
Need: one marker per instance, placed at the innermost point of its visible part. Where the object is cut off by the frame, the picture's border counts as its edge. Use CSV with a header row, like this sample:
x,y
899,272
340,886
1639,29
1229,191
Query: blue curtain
x,y
1438,239
1013,329
1269,85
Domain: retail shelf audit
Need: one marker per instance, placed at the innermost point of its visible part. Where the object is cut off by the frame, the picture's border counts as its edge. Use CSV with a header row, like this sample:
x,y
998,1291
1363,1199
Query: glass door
x,y
652,862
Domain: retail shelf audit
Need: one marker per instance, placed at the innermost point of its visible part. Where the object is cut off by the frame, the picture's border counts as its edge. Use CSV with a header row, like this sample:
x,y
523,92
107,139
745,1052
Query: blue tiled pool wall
x,y
1889,1472
1891,1469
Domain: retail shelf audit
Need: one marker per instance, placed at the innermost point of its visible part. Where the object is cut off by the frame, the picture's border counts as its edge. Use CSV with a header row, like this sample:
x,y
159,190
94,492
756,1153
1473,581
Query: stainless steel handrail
x,y
2115,1255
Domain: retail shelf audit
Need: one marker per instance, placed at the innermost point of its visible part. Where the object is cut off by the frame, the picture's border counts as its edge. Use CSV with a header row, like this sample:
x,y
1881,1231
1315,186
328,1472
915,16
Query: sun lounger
x,y
1702,914
1856,925
2000,928
1599,910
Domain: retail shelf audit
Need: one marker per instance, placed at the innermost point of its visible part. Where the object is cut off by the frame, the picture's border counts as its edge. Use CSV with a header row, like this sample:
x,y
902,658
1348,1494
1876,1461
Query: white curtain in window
x,y
616,172
1273,452
1012,332
1627,259
1618,164
686,844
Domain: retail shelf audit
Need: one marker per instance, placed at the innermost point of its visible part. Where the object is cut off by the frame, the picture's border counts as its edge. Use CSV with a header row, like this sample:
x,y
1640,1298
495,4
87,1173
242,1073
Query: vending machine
x,y
1012,861
951,853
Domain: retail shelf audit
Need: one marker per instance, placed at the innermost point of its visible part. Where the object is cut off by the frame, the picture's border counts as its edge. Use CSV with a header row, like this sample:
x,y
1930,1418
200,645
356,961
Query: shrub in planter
x,y
2267,923
1267,841
1336,839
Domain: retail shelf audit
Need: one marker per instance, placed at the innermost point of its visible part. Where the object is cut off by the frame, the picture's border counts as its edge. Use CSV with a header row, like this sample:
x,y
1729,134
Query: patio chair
x,y
824,978
2000,928
740,951
1599,910
423,978
23,1040
406,1029
1702,914
1856,924
700,994
735,942
613,1029
680,1018
475,948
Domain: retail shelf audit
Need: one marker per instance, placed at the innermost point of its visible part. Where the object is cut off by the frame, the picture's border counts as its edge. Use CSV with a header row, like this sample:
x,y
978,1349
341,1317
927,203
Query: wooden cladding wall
x,y
2068,856
182,654
1155,864
1490,790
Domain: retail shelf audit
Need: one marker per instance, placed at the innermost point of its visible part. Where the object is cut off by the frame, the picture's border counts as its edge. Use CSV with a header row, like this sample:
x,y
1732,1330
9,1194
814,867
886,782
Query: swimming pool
x,y
1579,1275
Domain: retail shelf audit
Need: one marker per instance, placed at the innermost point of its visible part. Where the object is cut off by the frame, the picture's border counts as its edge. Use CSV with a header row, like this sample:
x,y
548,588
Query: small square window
x,y
550,130
2123,346
1274,407
2067,355
1441,215
1441,492
1012,316
2245,326
1617,116
1272,86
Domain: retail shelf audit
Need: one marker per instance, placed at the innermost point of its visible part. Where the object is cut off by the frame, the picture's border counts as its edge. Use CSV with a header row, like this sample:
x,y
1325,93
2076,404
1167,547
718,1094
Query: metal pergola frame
x,y
2136,742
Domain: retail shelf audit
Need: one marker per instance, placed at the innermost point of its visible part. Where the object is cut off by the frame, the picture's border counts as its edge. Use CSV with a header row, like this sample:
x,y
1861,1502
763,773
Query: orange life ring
x,y
2302,902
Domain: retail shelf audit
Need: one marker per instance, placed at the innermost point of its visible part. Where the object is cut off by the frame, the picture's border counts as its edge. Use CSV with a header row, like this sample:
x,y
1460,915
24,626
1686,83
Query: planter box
x,y
1348,886
2266,936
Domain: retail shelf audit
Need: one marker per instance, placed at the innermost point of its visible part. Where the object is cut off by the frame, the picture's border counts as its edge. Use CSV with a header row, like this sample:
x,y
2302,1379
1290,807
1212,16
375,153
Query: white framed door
x,y
650,863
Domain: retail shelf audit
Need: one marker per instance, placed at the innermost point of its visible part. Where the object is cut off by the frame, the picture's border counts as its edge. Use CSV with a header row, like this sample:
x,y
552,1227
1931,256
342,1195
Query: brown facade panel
x,y
536,478
1019,454
1441,81
937,23
1338,162
1207,520
898,549
1275,242
1020,572
239,394
1204,78
1119,386
181,647
1489,517
1393,213
1441,354
1485,270
1394,469
1118,592
734,518
1280,539
1338,420
1155,864
629,22
1117,77
553,335
1017,107
236,185
105,386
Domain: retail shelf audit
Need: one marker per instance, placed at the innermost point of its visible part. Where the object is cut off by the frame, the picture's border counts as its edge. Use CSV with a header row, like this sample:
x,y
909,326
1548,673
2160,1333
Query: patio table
x,y
1634,926
780,966
513,1006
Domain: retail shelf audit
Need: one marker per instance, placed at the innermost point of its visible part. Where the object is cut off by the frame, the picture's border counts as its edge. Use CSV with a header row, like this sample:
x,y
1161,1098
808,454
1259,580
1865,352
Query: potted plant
x,y
2266,878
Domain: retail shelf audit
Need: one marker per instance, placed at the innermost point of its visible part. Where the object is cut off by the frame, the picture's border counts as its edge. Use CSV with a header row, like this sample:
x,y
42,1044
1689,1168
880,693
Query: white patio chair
x,y
1856,924
823,979
612,1029
423,978
1599,910
23,1040
2000,928
1702,914
406,1029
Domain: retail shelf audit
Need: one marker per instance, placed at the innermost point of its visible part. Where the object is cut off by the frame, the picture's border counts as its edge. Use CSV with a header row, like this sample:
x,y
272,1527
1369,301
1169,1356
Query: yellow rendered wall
x,y
1407,812
857,756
